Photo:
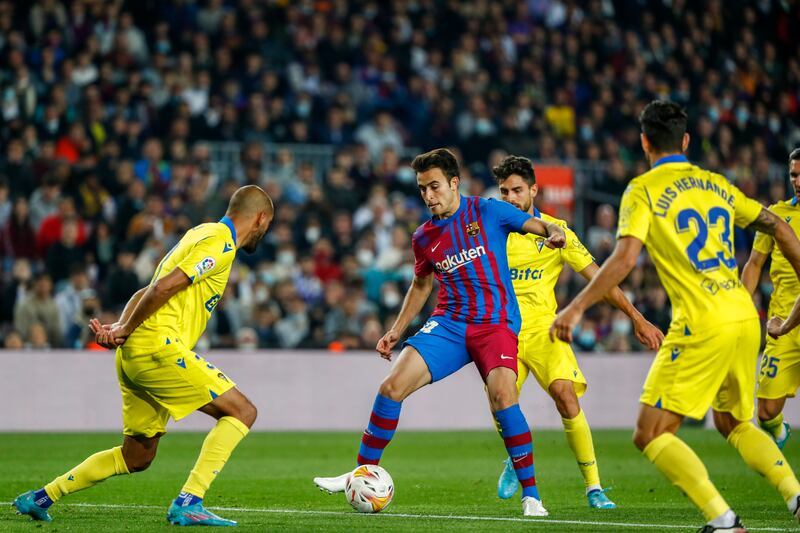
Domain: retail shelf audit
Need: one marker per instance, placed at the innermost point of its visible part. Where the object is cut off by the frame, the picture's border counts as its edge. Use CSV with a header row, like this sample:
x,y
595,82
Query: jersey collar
x,y
794,200
536,212
674,158
228,222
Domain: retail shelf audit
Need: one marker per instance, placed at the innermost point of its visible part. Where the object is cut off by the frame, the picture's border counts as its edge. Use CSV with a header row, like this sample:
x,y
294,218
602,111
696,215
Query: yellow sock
x,y
90,472
217,447
685,470
762,455
774,426
579,438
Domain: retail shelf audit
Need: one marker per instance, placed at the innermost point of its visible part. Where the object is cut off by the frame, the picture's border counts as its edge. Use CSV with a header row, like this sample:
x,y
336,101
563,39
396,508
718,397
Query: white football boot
x,y
332,484
533,507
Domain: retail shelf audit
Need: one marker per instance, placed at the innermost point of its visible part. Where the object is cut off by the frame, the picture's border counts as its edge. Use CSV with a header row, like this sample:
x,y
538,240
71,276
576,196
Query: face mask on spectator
x,y
774,125
313,234
261,294
713,114
621,327
365,257
303,109
766,288
483,127
742,114
285,258
391,299
587,338
406,175
587,133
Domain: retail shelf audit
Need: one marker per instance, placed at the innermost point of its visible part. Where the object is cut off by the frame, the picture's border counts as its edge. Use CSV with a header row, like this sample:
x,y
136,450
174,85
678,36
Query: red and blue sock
x,y
517,438
381,428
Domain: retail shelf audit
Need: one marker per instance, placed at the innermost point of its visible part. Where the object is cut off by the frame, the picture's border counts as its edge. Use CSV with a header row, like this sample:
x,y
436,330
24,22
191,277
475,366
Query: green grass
x,y
436,474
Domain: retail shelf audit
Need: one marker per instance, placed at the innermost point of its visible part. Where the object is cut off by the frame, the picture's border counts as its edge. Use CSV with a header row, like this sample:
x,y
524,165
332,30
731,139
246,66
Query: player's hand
x,y
564,323
119,333
387,342
648,334
774,326
101,333
556,238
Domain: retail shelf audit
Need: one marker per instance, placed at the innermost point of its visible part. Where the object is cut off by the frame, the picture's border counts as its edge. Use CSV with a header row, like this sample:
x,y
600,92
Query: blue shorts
x,y
446,345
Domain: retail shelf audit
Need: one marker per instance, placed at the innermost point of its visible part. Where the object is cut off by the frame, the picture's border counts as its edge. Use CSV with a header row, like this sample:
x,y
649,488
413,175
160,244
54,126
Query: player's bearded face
x,y
256,237
517,192
794,173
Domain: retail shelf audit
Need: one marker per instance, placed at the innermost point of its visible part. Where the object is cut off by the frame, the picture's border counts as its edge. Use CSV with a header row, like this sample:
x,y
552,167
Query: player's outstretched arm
x,y
415,299
767,222
556,238
751,272
648,334
156,295
613,271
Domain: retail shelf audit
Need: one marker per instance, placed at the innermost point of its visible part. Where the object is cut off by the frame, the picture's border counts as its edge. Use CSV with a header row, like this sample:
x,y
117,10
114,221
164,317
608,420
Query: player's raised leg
x,y
408,374
655,437
235,416
579,438
94,469
144,421
503,399
770,418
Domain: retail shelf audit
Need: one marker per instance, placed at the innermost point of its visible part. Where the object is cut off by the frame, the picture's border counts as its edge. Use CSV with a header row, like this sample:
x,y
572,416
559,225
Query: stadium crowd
x,y
107,109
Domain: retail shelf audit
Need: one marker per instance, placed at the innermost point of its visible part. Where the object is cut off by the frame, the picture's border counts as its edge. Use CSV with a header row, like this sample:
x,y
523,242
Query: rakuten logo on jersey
x,y
454,262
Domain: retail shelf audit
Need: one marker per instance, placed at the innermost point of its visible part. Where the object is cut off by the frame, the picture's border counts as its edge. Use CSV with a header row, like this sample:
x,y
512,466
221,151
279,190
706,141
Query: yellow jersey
x,y
205,254
535,268
685,216
787,286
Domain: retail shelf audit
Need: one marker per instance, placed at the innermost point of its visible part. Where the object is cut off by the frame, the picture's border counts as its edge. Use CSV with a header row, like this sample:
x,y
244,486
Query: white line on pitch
x,y
531,521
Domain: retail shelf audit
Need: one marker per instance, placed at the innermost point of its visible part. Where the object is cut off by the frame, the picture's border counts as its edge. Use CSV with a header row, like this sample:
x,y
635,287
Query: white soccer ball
x,y
369,489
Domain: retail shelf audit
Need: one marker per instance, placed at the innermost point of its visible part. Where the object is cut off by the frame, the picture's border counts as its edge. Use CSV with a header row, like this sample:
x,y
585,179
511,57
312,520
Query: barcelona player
x,y
780,367
685,215
534,271
476,319
159,374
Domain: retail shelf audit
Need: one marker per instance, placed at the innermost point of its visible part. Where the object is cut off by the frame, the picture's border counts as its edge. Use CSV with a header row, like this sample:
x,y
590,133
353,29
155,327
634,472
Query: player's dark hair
x,y
440,158
795,155
514,164
664,124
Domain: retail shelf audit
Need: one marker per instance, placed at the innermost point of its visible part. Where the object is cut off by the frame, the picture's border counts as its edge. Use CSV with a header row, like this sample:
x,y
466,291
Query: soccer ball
x,y
369,489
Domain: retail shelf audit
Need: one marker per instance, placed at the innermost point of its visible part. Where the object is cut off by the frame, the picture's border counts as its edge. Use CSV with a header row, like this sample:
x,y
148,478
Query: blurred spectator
x,y
122,281
39,310
65,254
17,236
600,238
70,301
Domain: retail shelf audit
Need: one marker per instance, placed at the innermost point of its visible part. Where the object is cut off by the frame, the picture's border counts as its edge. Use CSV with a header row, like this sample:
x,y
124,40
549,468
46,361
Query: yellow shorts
x,y
547,360
780,367
715,367
174,382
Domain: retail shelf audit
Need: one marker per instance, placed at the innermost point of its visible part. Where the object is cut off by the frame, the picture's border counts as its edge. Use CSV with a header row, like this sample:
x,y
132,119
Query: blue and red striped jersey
x,y
467,254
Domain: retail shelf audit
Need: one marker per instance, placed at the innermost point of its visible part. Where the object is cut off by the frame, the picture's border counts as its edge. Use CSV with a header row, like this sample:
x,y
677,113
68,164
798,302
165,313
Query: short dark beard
x,y
252,246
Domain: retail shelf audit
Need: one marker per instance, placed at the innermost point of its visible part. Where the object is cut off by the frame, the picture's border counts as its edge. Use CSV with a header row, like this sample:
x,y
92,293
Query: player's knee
x,y
565,399
642,437
768,410
390,389
140,462
247,413
503,398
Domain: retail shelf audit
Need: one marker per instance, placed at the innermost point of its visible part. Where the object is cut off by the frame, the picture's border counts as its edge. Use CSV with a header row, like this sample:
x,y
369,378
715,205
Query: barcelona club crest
x,y
473,229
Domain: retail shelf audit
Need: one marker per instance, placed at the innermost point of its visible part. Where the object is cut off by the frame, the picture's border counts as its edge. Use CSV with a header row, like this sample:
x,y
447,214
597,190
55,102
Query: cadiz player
x,y
685,216
476,319
780,367
534,271
159,374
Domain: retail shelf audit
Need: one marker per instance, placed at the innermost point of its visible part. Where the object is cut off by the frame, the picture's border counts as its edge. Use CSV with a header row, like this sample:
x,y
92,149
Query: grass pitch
x,y
443,481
